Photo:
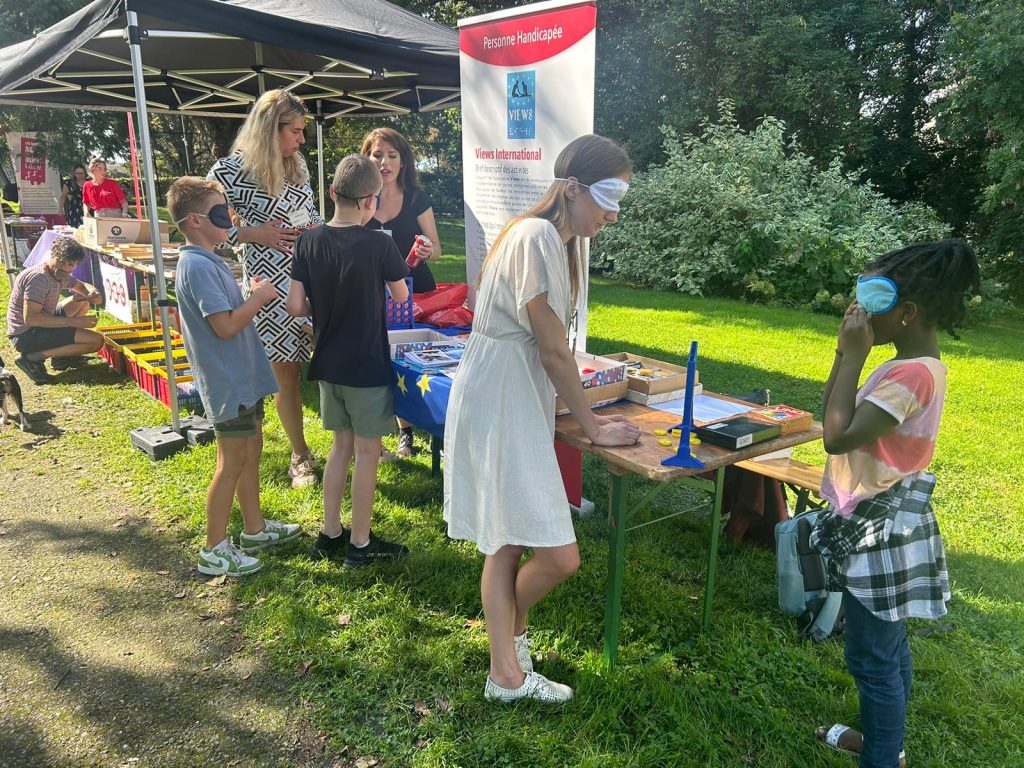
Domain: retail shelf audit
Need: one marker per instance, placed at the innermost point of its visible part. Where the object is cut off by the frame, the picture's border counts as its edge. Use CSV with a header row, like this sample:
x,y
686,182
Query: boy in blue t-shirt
x,y
338,276
231,371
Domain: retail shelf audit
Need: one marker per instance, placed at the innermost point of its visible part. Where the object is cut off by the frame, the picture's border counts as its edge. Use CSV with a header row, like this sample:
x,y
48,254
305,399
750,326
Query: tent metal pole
x,y
261,81
134,45
6,248
320,157
184,142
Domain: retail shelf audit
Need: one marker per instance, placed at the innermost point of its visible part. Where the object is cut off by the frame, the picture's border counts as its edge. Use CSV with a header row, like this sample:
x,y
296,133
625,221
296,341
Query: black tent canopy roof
x,y
214,58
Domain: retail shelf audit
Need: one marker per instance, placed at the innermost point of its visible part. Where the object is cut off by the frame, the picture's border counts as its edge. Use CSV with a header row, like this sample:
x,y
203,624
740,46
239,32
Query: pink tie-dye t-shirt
x,y
912,392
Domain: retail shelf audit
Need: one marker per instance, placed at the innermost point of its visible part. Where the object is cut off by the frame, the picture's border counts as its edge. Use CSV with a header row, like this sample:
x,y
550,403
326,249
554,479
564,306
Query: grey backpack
x,y
800,577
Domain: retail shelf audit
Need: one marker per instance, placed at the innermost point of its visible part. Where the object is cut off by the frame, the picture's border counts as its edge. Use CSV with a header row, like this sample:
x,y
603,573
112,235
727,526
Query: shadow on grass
x,y
132,712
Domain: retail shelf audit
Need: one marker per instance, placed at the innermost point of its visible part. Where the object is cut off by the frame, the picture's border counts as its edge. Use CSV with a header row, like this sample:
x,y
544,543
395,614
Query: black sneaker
x,y
63,363
406,447
378,550
326,548
35,371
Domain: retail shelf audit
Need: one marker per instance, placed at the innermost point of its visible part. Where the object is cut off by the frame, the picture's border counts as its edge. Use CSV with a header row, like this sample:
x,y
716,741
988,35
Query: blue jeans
x,y
878,657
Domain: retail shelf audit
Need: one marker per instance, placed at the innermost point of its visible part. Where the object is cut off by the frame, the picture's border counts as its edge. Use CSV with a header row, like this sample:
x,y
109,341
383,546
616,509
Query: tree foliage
x,y
982,111
749,214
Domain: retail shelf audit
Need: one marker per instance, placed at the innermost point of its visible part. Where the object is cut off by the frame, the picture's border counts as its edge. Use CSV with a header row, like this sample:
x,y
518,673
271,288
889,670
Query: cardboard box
x,y
105,229
789,419
407,340
603,379
651,385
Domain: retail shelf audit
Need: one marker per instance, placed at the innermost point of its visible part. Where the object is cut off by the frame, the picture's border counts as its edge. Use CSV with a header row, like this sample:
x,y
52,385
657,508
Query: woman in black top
x,y
71,196
404,208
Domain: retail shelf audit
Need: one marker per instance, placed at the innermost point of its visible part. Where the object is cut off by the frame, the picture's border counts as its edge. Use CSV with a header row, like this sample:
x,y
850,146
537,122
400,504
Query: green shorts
x,y
245,424
370,411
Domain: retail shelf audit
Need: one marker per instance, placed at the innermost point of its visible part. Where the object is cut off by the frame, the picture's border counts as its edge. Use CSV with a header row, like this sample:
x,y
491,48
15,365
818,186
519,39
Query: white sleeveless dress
x,y
501,479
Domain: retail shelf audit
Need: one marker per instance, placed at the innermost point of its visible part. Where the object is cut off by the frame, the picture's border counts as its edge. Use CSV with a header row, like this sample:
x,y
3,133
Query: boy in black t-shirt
x,y
338,275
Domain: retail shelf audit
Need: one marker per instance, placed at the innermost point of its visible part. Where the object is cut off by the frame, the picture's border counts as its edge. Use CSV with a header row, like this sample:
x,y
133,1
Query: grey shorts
x,y
370,411
246,424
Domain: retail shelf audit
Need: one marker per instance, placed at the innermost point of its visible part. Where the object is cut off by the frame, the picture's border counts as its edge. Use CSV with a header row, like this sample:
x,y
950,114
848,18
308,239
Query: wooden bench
x,y
802,479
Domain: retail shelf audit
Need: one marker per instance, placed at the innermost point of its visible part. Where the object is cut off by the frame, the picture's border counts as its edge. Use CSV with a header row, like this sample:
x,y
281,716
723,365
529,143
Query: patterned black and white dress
x,y
282,334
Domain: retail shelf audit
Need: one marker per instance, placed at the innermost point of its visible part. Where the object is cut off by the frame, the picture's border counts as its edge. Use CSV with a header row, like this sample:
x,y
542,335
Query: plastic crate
x,y
117,337
147,365
132,352
399,313
114,336
188,395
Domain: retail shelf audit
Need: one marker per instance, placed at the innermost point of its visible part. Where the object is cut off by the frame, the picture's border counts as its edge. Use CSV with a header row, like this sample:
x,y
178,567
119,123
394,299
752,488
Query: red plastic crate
x,y
147,365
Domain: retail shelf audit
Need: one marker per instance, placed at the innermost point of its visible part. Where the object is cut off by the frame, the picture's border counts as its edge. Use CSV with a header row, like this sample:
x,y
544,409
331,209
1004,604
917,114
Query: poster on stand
x,y
38,182
115,290
527,90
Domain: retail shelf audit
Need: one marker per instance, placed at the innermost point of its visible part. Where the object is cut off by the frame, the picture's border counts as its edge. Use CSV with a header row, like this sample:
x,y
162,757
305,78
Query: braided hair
x,y
939,277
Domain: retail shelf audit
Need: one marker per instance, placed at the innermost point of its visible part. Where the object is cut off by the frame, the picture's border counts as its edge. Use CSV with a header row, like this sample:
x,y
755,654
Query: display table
x,y
644,460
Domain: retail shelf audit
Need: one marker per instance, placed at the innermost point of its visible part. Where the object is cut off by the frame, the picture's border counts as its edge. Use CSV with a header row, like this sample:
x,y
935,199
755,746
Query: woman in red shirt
x,y
102,196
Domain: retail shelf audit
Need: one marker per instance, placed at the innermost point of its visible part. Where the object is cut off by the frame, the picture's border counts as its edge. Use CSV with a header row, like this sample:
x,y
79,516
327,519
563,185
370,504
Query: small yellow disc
x,y
665,441
660,432
675,432
694,440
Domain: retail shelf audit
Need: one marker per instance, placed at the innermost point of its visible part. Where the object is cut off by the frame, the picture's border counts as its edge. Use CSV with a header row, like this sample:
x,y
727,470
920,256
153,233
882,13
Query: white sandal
x,y
832,737
836,732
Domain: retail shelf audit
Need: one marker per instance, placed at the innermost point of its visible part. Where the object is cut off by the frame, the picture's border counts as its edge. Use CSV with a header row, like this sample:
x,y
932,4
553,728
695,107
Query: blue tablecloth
x,y
421,398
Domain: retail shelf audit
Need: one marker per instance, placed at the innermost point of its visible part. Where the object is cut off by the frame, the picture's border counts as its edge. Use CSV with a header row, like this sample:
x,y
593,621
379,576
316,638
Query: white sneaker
x,y
273,533
225,559
522,645
535,686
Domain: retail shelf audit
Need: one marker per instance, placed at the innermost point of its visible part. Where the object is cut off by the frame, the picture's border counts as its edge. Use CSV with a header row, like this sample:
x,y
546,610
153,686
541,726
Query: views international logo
x,y
522,105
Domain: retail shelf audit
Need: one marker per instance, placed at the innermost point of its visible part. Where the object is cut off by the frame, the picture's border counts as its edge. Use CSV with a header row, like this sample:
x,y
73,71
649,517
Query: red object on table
x,y
445,296
570,464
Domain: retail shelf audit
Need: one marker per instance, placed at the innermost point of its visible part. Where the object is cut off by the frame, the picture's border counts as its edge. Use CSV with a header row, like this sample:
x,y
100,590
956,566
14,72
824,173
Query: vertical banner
x,y
38,181
527,90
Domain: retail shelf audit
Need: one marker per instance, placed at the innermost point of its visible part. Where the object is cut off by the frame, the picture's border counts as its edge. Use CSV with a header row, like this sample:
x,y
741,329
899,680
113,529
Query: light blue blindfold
x,y
877,295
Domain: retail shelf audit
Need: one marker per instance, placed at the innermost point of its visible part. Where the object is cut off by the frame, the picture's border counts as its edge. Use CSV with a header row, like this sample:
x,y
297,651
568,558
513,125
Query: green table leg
x,y
436,444
618,495
716,524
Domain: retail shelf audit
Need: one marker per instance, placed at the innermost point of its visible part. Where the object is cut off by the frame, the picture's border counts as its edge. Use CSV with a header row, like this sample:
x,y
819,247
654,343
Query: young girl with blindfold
x,y
502,487
879,530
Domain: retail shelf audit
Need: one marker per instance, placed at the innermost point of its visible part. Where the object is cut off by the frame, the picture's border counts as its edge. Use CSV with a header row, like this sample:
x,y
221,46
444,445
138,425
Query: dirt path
x,y
112,651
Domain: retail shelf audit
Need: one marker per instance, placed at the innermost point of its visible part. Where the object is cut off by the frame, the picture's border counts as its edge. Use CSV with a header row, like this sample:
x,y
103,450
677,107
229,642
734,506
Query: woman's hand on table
x,y
271,234
614,430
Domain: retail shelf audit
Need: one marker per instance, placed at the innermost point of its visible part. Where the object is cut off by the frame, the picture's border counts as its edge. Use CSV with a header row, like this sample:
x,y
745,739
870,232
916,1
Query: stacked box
x,y
603,380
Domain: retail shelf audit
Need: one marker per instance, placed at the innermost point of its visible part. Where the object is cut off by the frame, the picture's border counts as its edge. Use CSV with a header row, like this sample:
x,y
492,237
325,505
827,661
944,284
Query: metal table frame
x,y
624,462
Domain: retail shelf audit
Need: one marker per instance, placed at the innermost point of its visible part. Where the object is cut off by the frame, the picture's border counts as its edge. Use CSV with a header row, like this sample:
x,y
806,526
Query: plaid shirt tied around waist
x,y
888,552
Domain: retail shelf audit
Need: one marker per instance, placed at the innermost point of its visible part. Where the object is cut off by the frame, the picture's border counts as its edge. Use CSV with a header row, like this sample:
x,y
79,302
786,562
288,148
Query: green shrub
x,y
739,214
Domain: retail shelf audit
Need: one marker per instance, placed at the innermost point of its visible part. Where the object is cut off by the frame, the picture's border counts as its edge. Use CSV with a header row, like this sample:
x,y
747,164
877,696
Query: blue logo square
x,y
522,105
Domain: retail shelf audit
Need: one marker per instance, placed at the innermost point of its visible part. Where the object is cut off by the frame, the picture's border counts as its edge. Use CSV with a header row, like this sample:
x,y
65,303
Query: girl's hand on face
x,y
856,335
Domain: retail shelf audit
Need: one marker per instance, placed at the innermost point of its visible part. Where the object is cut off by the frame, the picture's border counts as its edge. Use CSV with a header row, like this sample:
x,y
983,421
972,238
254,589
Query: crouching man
x,y
40,324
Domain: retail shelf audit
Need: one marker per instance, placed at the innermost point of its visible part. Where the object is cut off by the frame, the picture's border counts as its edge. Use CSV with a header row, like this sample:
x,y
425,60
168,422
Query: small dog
x,y
10,398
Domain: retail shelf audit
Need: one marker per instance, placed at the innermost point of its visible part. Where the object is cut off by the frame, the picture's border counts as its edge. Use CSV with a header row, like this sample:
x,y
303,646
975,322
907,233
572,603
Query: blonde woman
x,y
267,185
502,487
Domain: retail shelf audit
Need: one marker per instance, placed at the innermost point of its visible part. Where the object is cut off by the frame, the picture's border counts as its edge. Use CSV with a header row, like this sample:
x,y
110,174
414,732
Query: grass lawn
x,y
389,662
